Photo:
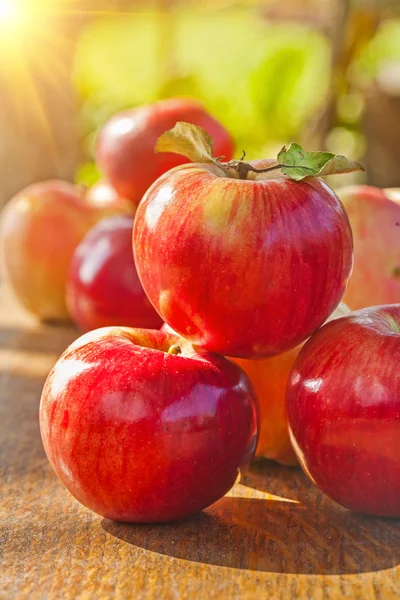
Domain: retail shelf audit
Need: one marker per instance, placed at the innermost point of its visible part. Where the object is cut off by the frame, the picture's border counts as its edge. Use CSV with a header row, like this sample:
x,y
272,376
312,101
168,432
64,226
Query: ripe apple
x,y
125,146
269,377
39,231
141,426
103,287
375,220
102,194
343,404
246,268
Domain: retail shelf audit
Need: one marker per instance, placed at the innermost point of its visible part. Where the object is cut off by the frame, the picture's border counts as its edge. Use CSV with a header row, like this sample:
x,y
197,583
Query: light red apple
x,y
140,426
343,405
39,231
103,287
375,220
125,145
246,268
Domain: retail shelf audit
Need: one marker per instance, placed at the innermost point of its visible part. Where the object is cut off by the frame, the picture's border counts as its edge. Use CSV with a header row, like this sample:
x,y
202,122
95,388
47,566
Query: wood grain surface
x,y
274,536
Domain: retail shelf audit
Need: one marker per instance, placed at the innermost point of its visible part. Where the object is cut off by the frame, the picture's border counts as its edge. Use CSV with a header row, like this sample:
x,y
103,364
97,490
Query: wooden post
x,y
381,125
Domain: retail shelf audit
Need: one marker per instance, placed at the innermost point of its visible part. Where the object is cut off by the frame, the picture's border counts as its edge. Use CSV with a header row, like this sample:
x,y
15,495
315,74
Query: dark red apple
x,y
103,287
139,432
343,406
125,146
245,268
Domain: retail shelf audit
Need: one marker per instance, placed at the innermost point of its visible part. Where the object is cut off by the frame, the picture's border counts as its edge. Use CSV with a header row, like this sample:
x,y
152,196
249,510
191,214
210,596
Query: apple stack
x,y
245,260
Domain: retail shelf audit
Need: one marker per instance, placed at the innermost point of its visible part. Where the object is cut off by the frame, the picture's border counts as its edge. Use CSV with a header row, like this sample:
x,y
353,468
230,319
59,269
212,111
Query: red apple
x,y
39,231
137,433
375,220
245,268
125,146
103,287
102,194
343,404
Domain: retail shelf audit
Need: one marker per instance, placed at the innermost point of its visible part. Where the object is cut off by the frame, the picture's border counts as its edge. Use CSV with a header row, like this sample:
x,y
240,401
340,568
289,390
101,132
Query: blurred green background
x,y
268,71
325,73
262,81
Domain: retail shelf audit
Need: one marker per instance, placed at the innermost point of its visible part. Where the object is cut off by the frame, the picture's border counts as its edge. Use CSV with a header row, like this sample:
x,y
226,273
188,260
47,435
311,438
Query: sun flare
x,y
37,41
10,12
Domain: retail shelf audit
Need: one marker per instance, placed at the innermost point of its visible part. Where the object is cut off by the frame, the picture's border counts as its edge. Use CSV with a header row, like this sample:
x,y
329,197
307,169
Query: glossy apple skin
x,y
103,287
125,145
140,435
343,404
242,268
39,231
102,194
375,220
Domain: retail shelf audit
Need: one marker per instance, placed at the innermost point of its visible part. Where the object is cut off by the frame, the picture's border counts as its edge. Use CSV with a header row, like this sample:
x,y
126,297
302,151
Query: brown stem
x,y
175,349
243,168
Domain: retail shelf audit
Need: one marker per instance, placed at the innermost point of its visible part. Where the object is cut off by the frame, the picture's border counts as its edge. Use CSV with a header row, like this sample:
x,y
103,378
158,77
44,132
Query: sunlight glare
x,y
244,491
9,11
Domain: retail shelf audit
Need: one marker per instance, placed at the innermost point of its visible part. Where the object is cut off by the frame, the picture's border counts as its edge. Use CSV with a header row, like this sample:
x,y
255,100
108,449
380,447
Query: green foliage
x,y
292,80
262,81
88,174
383,48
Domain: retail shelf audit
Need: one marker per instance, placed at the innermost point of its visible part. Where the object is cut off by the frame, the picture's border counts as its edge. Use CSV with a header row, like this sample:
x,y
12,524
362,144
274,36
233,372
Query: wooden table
x,y
274,536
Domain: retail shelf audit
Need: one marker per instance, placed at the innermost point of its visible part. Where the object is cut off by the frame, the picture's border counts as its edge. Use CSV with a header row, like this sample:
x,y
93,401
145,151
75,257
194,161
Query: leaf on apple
x,y
187,139
297,163
198,146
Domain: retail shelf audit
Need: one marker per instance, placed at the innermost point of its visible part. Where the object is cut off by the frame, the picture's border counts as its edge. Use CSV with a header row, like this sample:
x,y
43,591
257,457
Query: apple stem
x,y
243,168
175,349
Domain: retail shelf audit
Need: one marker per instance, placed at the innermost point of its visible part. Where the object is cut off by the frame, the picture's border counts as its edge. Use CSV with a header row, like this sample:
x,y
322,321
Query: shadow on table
x,y
272,536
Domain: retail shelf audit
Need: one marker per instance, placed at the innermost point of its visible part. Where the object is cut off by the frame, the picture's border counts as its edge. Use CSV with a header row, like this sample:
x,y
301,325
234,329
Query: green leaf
x,y
187,139
298,163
